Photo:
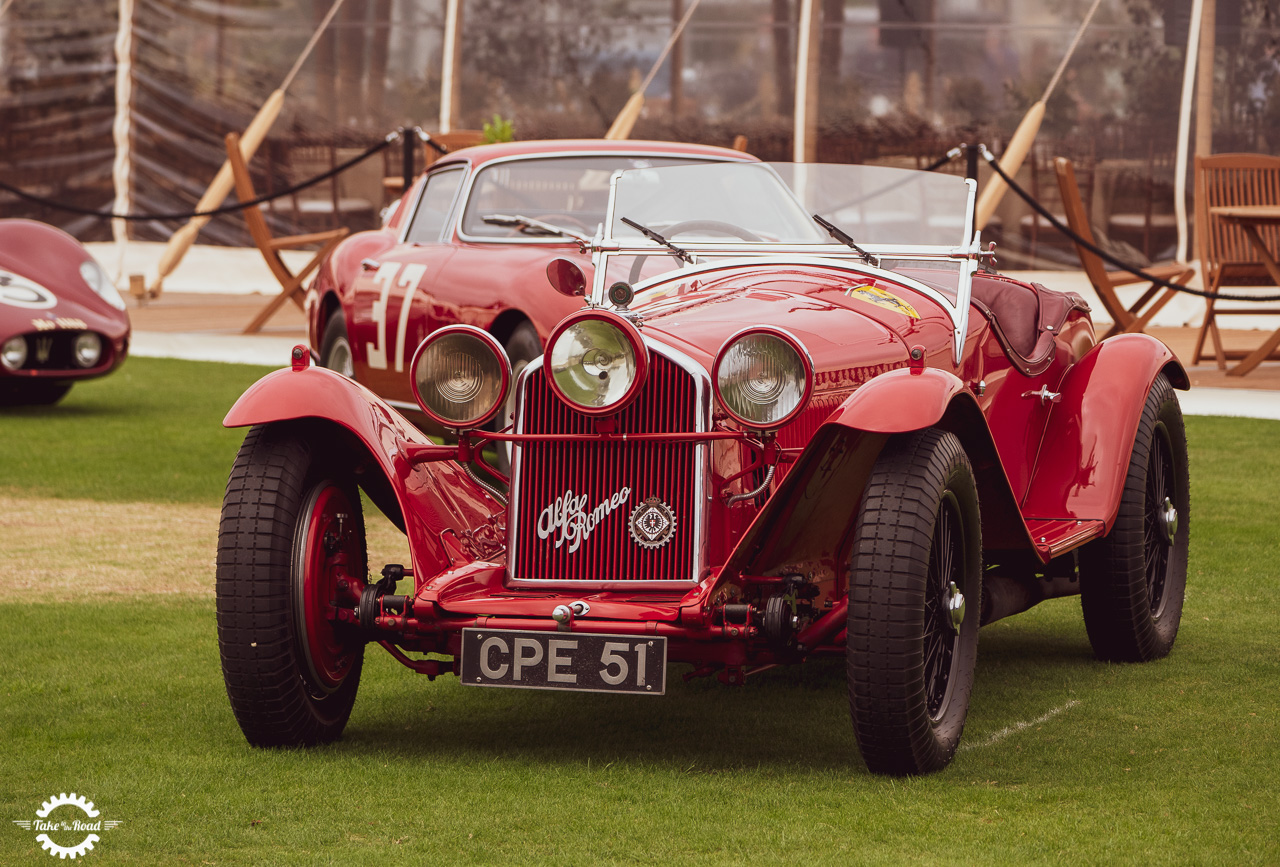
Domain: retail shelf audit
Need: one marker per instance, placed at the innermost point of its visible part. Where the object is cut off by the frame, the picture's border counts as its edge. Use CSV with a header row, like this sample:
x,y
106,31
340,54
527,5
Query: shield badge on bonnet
x,y
652,523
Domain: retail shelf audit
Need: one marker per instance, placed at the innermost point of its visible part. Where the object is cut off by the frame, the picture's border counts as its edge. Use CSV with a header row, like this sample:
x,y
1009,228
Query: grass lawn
x,y
1064,759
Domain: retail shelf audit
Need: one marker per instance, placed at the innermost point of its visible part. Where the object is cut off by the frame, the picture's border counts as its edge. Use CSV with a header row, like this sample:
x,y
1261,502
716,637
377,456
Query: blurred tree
x,y
538,53
1247,75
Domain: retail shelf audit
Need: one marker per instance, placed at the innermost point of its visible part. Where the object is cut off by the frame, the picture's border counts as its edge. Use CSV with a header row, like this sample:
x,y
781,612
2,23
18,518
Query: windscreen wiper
x,y
843,237
654,236
533,227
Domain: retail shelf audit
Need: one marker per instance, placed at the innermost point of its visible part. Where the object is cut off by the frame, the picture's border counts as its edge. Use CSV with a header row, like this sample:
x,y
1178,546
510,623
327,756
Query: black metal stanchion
x,y
409,141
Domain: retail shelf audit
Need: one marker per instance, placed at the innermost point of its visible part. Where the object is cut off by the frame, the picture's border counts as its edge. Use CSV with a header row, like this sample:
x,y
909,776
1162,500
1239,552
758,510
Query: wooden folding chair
x,y
1133,318
291,288
1228,257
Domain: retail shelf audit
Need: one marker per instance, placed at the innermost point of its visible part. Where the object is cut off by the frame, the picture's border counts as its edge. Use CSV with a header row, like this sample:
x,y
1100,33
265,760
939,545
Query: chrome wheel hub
x,y
1168,521
955,605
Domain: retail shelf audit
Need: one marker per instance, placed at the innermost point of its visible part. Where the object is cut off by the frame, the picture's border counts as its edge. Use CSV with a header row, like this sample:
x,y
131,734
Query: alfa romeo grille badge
x,y
652,523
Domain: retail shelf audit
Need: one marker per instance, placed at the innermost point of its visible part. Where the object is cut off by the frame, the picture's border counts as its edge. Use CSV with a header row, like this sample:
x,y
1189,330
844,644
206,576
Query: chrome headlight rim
x,y
485,340
640,352
802,355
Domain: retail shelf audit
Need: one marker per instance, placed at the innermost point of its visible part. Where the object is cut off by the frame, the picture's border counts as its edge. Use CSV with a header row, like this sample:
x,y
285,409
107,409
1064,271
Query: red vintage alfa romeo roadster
x,y
764,436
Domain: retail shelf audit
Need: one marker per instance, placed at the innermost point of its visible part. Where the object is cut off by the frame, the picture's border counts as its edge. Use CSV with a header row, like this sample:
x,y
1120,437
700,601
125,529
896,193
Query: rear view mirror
x,y
567,278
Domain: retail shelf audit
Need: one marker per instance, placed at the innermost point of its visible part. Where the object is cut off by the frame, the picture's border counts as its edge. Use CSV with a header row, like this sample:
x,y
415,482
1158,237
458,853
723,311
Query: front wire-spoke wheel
x,y
915,582
941,638
291,551
1133,580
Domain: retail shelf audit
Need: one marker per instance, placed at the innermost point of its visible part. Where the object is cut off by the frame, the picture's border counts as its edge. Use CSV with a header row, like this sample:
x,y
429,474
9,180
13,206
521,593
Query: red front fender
x,y
1084,458
807,518
436,500
899,401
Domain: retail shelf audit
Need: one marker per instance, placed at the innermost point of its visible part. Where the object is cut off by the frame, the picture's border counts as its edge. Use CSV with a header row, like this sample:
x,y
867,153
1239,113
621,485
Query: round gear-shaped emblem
x,y
652,523
65,800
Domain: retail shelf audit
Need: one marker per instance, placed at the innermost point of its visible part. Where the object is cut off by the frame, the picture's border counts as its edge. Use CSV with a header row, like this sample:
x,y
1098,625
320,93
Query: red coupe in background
x,y
61,319
469,244
796,415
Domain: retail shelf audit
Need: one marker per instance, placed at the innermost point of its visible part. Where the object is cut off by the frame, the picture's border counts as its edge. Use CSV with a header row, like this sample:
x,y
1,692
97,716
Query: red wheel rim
x,y
328,551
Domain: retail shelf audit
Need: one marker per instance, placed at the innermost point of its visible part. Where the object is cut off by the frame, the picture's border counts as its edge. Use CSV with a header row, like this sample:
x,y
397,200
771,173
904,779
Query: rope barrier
x,y
1103,254
225,209
427,139
945,158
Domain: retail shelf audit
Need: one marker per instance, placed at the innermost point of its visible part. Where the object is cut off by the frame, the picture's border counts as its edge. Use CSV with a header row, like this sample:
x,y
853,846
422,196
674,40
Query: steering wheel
x,y
718,226
565,221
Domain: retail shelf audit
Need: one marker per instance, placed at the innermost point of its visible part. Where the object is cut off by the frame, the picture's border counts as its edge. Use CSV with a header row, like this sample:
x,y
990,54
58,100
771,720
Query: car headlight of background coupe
x,y
100,283
14,353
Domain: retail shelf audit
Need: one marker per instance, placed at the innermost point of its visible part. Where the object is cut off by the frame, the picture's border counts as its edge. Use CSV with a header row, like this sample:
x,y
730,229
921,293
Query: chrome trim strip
x,y
702,481
403,405
517,456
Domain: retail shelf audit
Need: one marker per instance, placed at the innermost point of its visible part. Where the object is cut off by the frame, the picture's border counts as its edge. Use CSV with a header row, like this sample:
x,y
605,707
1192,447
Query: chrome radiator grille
x,y
583,494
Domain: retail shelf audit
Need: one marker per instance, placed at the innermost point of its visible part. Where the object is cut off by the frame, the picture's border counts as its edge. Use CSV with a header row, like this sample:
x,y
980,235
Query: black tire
x,y
910,668
1133,580
335,346
289,534
32,392
523,346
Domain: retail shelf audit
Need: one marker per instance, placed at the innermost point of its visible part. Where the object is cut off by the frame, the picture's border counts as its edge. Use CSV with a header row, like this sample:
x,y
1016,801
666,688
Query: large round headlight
x,y
88,349
596,362
763,377
14,352
91,272
460,376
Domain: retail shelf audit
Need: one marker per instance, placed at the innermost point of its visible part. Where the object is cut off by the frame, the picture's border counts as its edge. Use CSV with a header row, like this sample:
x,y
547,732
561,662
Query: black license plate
x,y
564,660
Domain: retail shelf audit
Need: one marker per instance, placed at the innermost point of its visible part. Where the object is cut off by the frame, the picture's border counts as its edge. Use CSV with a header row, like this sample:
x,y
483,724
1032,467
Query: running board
x,y
1057,536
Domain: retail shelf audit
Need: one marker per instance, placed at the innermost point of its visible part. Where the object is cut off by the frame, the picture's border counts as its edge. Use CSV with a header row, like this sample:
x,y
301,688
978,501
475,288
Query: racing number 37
x,y
386,278
564,660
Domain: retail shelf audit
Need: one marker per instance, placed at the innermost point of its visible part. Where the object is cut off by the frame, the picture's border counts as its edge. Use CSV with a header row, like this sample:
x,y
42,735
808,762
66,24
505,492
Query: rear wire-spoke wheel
x,y
291,548
915,582
1132,581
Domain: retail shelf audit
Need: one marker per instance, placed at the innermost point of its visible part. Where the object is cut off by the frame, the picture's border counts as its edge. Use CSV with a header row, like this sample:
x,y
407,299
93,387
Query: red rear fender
x,y
447,517
1084,458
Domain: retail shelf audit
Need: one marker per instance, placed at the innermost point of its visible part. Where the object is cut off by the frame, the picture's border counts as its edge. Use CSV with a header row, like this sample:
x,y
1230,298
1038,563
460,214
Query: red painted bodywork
x,y
1048,432
492,284
50,258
